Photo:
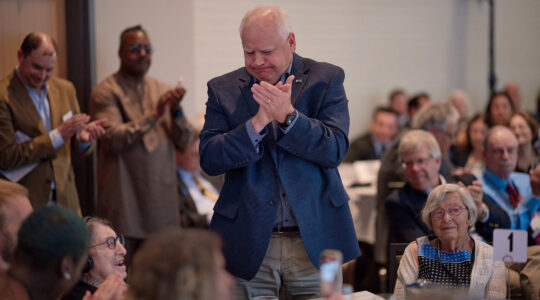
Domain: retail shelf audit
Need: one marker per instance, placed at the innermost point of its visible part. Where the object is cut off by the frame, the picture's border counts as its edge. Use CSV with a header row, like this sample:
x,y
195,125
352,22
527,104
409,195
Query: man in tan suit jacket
x,y
136,170
40,122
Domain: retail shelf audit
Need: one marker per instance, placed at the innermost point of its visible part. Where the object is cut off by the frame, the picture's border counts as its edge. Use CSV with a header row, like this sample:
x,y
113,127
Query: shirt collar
x,y
442,181
492,179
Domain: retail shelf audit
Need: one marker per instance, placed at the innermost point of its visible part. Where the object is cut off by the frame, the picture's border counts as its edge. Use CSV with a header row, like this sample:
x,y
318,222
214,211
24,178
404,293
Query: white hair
x,y
278,15
414,139
437,196
435,114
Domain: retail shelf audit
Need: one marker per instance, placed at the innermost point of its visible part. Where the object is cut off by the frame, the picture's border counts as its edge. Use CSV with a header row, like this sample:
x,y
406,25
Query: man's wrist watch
x,y
289,119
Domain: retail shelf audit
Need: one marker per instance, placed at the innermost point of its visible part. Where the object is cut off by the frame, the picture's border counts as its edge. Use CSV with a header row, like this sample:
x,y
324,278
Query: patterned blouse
x,y
449,269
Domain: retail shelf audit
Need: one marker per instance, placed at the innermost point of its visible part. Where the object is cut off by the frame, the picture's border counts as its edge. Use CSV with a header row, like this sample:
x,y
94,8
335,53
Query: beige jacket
x,y
136,167
18,113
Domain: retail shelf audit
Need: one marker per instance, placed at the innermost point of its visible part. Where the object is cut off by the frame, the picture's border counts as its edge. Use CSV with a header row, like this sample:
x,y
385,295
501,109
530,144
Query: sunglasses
x,y
136,48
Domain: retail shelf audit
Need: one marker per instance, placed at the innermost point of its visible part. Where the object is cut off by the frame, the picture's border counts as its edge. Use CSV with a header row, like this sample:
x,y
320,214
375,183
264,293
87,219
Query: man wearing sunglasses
x,y
136,168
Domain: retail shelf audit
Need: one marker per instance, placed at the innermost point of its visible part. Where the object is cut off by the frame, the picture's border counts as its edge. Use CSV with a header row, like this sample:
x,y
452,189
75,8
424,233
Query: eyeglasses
x,y
111,242
421,162
136,48
453,211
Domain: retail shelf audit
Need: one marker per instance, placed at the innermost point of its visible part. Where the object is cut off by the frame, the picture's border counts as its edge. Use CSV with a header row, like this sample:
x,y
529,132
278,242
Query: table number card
x,y
510,245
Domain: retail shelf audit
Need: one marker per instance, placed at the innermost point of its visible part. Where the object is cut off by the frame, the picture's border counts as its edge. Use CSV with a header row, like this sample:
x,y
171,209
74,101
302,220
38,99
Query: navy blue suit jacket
x,y
304,160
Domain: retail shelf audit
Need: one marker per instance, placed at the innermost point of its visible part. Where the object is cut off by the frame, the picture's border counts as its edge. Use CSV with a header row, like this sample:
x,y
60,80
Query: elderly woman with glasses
x,y
451,259
105,264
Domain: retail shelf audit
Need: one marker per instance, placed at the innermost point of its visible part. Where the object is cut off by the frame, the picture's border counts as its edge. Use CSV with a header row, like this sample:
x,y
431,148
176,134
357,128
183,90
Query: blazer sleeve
x,y
222,146
322,139
13,154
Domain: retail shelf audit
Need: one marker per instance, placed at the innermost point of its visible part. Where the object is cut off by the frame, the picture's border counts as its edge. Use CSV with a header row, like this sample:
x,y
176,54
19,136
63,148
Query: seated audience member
x,y
516,195
470,153
180,264
525,128
421,157
510,191
371,145
49,257
512,89
451,259
416,102
499,109
14,208
198,191
398,103
440,119
460,101
105,258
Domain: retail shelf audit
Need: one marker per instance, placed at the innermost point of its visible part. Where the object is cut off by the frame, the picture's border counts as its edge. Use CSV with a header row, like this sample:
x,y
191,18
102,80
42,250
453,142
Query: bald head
x,y
460,101
500,154
36,40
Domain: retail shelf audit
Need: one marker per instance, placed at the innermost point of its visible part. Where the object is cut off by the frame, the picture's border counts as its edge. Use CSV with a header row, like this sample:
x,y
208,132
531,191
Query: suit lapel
x,y
245,88
24,104
300,71
55,106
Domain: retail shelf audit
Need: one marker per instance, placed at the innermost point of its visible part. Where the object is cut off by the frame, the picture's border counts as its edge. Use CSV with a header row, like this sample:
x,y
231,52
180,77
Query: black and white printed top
x,y
447,269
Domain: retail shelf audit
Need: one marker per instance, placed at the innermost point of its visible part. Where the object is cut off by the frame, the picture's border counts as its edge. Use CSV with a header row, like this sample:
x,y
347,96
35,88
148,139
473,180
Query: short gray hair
x,y
278,15
436,197
414,139
435,114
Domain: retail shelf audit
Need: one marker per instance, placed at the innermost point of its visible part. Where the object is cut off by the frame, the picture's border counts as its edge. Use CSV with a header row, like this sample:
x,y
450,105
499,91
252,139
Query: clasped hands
x,y
88,132
274,102
170,99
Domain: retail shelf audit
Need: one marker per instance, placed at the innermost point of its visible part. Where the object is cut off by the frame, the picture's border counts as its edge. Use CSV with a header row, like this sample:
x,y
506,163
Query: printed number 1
x,y
511,239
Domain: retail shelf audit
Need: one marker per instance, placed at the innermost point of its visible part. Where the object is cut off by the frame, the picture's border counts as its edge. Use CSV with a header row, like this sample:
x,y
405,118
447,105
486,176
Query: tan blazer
x,y
18,113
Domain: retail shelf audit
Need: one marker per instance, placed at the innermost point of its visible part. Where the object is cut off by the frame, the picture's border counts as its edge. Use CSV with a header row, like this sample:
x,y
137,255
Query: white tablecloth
x,y
360,181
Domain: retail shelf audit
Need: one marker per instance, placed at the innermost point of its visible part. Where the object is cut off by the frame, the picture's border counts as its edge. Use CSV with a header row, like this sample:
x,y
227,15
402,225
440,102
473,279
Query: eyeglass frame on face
x,y
111,242
453,211
136,48
420,162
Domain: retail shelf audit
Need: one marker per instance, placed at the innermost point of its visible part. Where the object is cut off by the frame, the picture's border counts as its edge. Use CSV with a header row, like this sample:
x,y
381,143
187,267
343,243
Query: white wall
x,y
420,45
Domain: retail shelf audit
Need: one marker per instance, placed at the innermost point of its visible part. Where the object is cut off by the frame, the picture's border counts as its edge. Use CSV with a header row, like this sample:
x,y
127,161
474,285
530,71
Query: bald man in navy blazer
x,y
278,129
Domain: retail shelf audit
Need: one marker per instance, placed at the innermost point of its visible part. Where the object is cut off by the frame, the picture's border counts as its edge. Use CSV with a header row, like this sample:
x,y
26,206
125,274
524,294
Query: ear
x,y
20,55
65,265
67,268
292,41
